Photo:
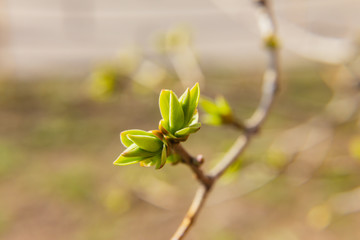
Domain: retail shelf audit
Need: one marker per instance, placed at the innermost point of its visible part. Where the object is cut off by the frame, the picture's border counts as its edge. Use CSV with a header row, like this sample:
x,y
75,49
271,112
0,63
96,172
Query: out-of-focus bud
x,y
218,112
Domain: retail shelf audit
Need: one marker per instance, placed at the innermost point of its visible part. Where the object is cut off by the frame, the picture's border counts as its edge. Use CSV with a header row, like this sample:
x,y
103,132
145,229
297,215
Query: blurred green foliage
x,y
218,112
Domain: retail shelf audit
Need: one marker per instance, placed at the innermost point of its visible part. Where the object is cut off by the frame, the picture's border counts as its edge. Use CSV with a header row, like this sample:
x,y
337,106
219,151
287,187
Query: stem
x,y
237,148
191,161
270,87
191,215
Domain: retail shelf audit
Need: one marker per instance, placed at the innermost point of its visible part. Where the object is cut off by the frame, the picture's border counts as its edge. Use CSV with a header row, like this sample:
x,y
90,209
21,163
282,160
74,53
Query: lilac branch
x,y
269,89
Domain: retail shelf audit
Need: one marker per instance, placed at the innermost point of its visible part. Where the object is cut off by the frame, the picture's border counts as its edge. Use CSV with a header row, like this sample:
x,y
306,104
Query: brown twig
x,y
192,213
270,86
192,162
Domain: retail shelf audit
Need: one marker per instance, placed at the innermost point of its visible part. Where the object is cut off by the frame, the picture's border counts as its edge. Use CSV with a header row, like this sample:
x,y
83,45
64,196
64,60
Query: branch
x,y
269,89
192,213
194,164
270,86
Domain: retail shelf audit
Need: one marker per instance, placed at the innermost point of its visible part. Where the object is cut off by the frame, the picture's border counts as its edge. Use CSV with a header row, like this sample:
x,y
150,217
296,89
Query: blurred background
x,y
74,74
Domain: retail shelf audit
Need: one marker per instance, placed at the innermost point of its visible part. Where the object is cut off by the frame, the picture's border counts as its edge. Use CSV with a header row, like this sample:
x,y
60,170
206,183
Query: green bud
x,y
223,106
208,106
212,119
147,148
179,114
218,112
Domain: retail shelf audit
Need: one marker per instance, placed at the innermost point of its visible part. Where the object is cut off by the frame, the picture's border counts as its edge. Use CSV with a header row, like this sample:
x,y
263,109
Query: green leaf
x,y
186,131
185,103
195,118
127,142
223,106
123,161
147,143
194,100
146,163
176,114
195,126
164,104
208,106
165,129
162,161
135,151
164,126
183,132
151,161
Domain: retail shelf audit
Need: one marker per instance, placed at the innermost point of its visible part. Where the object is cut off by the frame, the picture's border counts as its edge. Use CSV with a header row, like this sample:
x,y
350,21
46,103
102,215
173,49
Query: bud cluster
x,y
180,119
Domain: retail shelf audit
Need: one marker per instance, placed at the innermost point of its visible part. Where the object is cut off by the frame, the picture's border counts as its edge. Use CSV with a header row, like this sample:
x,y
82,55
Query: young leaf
x,y
136,151
150,161
163,157
146,163
195,118
185,103
183,132
186,131
165,129
164,102
123,161
195,126
127,142
147,143
176,114
194,100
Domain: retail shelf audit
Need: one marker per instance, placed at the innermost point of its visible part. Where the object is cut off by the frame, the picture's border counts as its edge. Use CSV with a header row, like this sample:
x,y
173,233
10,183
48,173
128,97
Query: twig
x,y
192,213
269,89
192,162
234,152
